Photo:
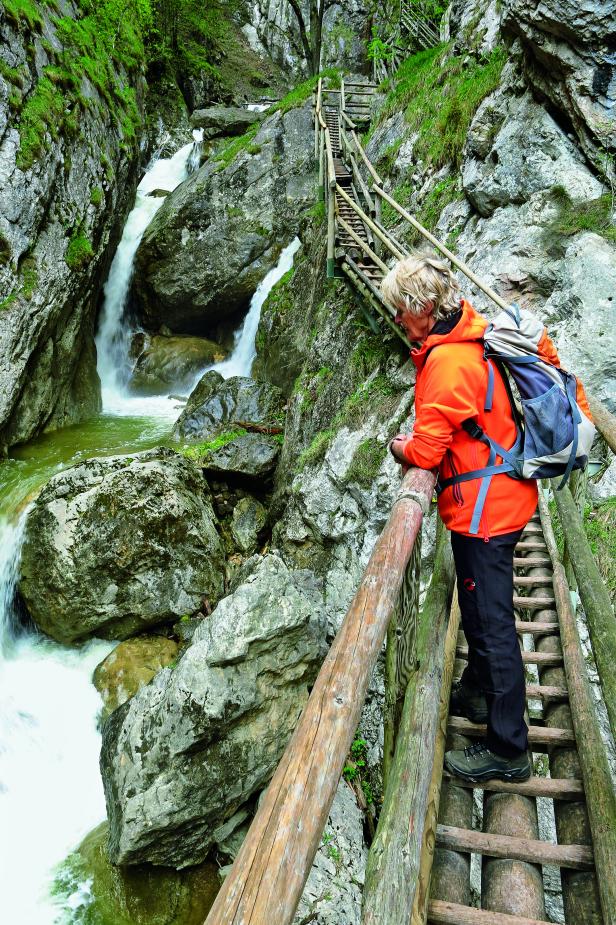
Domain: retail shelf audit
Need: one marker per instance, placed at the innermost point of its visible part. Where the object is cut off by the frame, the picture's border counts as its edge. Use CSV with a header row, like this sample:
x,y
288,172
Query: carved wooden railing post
x,y
400,656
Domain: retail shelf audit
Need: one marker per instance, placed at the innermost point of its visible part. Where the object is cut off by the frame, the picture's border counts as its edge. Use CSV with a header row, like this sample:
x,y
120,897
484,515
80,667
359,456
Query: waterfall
x,y
194,158
114,334
243,353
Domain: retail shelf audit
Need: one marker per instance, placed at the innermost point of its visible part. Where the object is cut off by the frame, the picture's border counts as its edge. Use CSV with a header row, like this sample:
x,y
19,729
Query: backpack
x,y
553,435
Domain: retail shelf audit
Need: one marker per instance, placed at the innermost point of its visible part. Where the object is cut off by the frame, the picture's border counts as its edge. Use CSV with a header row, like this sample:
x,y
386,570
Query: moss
x,y
23,11
12,74
44,112
96,196
440,96
366,462
231,151
200,451
314,453
29,277
576,215
375,394
5,249
79,251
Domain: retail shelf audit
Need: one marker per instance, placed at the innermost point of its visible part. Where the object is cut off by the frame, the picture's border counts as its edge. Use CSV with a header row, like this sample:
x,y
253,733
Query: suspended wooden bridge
x,y
419,862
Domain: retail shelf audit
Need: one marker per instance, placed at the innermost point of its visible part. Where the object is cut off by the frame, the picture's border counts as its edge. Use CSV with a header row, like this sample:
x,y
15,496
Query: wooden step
x,y
531,544
444,913
526,581
537,735
533,527
529,658
546,692
536,629
576,857
533,603
550,787
532,562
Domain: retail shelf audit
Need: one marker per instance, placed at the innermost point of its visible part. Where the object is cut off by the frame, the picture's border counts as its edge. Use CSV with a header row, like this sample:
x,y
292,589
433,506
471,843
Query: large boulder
x,y
173,363
223,120
191,747
115,545
216,403
220,231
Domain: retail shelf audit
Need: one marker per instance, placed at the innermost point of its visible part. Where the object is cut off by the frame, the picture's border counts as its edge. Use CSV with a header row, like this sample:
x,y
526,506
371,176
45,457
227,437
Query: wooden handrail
x,y
594,596
266,881
598,785
605,421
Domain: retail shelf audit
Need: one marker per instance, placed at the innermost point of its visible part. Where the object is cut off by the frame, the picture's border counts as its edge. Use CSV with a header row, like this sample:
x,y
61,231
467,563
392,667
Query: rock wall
x,y
68,161
346,29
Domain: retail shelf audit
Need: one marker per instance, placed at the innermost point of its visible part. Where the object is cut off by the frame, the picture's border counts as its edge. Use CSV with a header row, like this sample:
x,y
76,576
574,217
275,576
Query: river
x,y
51,794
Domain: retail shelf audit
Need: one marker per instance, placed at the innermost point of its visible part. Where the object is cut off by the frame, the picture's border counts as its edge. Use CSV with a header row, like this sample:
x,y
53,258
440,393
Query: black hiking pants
x,y
485,592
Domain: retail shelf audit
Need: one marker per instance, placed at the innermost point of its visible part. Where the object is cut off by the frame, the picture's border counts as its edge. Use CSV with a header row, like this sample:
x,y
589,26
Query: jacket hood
x,y
471,326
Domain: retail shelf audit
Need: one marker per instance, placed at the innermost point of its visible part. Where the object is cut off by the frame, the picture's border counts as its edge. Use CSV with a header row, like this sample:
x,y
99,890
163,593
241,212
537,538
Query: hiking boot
x,y
476,762
467,702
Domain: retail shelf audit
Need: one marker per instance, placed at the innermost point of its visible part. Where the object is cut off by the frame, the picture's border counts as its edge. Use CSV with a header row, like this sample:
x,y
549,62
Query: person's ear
x,y
427,309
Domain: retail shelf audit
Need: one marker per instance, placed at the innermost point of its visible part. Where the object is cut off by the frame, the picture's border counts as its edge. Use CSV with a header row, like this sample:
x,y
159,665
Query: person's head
x,y
423,290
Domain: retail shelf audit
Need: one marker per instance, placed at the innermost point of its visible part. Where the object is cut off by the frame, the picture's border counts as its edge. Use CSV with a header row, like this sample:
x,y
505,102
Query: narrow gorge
x,y
194,418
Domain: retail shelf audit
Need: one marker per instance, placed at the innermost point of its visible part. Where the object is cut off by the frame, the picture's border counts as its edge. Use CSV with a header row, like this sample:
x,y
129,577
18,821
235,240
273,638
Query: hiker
x,y
450,403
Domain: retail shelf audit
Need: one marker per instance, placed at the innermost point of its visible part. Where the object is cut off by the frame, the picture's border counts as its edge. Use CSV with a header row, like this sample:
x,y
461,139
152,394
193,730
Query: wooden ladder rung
x,y
531,544
536,629
525,581
576,857
546,692
537,735
444,913
551,787
533,527
533,603
532,562
529,658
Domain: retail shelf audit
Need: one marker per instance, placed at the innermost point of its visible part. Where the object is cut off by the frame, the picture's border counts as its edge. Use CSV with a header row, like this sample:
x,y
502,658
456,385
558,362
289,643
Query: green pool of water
x,y
31,465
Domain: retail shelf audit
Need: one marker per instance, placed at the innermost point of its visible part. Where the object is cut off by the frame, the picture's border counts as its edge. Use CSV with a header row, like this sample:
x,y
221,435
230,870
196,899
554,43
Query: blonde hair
x,y
422,278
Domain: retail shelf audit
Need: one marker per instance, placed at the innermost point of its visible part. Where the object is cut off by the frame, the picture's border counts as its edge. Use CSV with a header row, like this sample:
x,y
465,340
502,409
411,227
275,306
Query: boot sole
x,y
492,774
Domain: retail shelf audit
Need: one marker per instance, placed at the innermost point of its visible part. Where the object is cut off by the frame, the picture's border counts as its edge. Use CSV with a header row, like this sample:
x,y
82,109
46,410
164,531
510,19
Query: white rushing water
x,y
114,334
51,793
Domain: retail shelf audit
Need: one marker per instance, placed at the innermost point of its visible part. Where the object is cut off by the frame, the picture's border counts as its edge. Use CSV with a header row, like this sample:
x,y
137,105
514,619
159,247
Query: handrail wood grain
x,y
605,421
266,881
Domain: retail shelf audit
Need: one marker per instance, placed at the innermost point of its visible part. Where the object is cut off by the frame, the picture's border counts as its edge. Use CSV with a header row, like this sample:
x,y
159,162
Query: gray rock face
x,y
247,521
48,373
216,403
115,545
191,747
129,666
223,120
569,48
172,363
513,168
251,455
219,232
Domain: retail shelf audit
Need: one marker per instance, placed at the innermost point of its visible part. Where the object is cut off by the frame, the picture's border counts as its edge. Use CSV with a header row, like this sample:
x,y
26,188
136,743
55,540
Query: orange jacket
x,y
451,387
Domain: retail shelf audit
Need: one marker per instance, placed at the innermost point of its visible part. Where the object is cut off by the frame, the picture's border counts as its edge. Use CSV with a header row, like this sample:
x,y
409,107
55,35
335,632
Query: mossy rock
x,y
130,666
139,895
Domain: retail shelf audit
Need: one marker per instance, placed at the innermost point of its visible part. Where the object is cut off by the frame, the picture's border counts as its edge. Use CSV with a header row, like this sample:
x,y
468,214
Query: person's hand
x,y
396,449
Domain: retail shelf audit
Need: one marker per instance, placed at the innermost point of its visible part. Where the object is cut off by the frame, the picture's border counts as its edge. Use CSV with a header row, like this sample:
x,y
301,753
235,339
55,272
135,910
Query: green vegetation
x,y
366,462
582,215
440,195
96,196
440,96
79,251
296,97
28,281
200,451
12,74
375,393
600,527
24,12
314,453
